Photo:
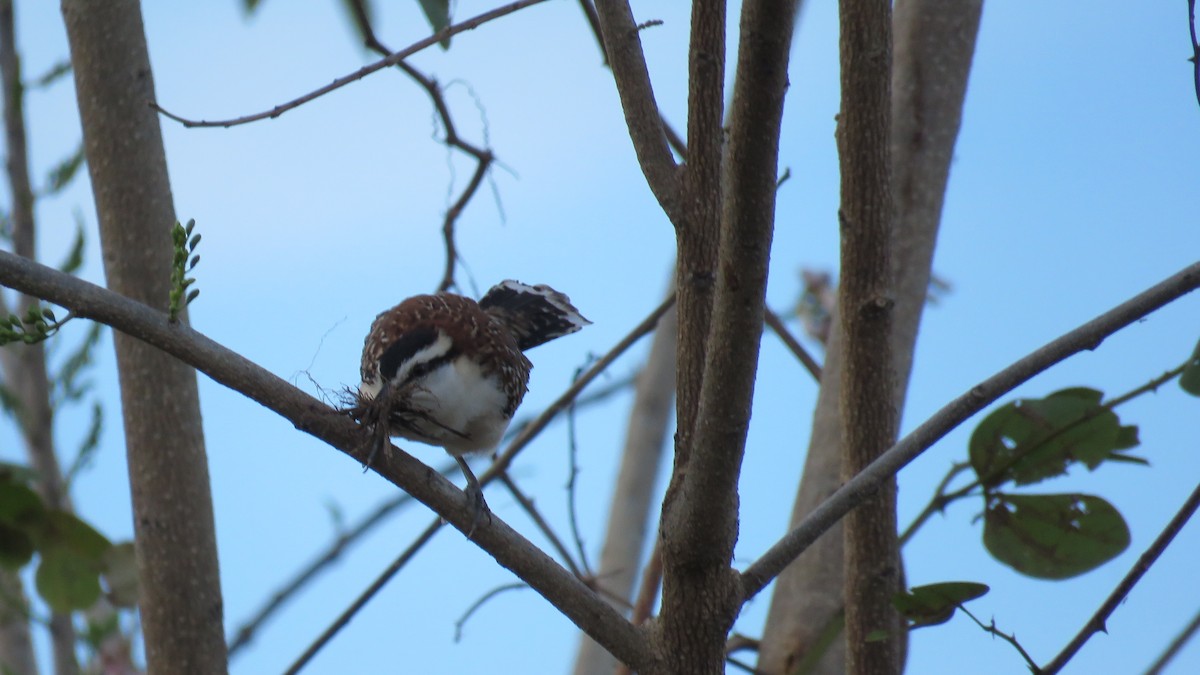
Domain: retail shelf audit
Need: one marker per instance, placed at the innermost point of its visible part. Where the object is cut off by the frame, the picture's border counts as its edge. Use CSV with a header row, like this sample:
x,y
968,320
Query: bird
x,y
448,371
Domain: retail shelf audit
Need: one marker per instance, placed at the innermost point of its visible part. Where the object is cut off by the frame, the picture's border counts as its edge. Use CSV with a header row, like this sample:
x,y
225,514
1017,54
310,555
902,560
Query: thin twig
x,y
572,481
1195,47
790,341
1098,621
393,59
936,504
1177,644
245,634
1010,639
527,503
1085,337
458,625
483,157
366,595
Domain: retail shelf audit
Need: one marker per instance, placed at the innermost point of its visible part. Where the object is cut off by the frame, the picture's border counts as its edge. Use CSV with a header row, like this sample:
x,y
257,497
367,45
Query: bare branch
x,y
245,634
624,50
344,618
1184,636
394,59
483,158
781,331
509,548
1088,336
1099,620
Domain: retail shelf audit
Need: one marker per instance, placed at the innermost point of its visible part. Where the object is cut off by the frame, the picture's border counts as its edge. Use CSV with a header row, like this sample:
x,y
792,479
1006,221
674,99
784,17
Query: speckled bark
x,y
181,606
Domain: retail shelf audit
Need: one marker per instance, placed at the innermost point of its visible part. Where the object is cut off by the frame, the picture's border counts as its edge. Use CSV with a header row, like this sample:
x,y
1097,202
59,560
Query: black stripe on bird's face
x,y
414,354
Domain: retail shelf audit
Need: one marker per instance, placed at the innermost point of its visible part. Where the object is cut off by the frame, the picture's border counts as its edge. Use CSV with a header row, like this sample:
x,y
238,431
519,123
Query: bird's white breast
x,y
460,397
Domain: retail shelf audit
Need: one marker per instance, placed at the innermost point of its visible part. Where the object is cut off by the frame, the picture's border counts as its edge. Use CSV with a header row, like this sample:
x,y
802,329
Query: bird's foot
x,y
479,508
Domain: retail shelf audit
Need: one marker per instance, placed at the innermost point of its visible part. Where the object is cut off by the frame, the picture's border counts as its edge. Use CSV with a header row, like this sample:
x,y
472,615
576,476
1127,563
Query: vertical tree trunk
x,y
934,42
629,511
16,642
25,365
865,304
181,605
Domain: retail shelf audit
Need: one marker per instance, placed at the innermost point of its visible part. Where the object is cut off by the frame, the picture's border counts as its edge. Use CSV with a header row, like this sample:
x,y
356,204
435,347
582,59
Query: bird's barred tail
x,y
534,314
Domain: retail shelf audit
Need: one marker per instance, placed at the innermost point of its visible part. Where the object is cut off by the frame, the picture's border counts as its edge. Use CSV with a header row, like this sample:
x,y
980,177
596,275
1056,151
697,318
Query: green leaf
x,y
66,382
1030,440
16,547
87,447
437,12
75,258
67,581
1190,378
20,506
66,531
933,604
121,575
1053,536
64,172
51,76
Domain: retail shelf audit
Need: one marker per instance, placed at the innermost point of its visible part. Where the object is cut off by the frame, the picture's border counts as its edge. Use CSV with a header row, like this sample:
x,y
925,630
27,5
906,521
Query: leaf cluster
x,y
38,324
184,261
73,558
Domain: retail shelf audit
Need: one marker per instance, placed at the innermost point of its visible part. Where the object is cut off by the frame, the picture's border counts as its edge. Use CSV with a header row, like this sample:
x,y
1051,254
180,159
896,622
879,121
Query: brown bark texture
x,y
934,43
181,606
865,305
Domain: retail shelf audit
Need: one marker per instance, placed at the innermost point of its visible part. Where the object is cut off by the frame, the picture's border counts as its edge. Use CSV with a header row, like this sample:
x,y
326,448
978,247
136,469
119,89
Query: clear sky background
x,y
1073,188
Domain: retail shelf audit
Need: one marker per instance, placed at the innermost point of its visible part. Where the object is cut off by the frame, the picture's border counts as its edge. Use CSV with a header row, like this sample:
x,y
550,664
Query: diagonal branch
x,y
567,593
624,51
393,59
1085,337
1100,618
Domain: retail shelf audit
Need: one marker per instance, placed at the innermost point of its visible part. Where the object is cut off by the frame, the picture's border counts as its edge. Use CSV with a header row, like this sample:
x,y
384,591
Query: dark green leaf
x,y
437,12
67,384
16,547
1190,378
87,447
1029,440
63,172
250,6
67,581
67,532
121,575
935,603
75,258
20,506
1053,536
50,76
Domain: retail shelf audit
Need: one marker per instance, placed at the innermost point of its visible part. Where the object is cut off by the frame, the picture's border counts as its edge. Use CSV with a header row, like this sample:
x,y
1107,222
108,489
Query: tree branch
x,y
226,367
1097,623
866,306
393,59
624,51
1086,337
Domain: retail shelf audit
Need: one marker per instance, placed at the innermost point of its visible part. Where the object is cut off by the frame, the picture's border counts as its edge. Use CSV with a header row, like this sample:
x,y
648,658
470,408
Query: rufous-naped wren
x,y
449,371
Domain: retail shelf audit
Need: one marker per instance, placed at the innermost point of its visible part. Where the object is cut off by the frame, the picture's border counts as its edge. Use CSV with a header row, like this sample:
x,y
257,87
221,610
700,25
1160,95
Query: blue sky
x,y
1073,187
